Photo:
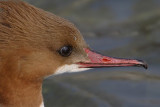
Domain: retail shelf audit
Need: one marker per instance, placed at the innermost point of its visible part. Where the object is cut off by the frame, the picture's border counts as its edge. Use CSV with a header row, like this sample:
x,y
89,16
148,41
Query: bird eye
x,y
65,51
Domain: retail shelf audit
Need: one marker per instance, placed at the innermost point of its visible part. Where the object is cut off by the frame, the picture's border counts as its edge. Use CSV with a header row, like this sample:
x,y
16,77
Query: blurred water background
x,y
119,28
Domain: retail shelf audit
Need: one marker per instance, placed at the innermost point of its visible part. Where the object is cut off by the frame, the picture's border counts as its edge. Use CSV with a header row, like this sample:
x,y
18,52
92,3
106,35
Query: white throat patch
x,y
42,104
70,68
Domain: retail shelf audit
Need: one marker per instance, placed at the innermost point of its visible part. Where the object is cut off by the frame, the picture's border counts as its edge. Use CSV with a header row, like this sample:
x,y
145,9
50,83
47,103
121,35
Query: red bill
x,y
97,61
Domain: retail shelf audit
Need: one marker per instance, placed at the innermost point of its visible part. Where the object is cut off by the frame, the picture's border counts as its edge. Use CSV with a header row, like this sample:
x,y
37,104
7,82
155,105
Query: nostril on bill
x,y
105,60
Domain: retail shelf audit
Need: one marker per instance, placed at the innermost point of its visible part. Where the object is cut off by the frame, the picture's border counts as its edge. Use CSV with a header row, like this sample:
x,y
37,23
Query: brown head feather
x,y
29,41
24,25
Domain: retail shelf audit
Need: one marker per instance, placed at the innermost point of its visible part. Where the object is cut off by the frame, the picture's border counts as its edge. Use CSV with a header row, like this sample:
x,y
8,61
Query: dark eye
x,y
65,51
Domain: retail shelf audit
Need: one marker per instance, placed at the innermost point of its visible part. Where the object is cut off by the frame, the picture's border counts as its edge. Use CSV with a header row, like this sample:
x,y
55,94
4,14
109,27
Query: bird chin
x,y
69,69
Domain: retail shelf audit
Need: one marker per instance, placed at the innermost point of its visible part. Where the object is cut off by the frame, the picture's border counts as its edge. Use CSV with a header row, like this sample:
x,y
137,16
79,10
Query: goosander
x,y
35,44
